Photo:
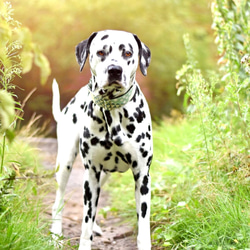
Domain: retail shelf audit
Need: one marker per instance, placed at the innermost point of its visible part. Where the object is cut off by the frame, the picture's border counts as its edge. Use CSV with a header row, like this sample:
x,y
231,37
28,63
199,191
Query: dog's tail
x,y
56,110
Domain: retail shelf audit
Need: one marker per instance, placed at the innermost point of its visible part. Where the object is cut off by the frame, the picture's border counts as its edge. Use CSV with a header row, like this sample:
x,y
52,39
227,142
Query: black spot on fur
x,y
120,117
144,154
131,128
113,170
116,160
91,237
108,116
149,160
104,37
98,194
137,176
90,113
125,113
86,219
139,115
68,167
128,157
148,135
135,164
137,93
98,175
85,149
118,141
131,119
87,193
86,133
101,129
90,209
144,208
118,153
72,100
144,189
74,119
66,110
141,104
138,139
115,130
94,141
121,46
107,158
106,144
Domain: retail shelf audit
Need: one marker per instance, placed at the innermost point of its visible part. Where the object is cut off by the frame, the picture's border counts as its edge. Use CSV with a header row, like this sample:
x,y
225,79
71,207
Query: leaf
x,y
7,110
43,63
10,134
27,60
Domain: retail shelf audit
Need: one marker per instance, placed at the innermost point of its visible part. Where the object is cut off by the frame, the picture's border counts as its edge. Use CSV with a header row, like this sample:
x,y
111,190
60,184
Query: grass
x,y
193,206
22,224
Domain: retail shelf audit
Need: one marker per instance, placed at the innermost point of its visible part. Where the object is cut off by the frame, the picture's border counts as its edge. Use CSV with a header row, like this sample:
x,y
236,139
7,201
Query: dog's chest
x,y
118,139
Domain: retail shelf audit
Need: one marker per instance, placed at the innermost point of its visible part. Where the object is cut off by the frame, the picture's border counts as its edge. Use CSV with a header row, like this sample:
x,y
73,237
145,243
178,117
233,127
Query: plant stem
x,y
3,153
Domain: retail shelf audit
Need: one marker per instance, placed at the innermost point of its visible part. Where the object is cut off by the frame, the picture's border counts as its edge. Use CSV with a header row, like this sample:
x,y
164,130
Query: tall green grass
x,y
22,220
194,206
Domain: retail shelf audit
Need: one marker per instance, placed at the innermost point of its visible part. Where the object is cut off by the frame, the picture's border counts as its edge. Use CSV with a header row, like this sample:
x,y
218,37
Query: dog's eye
x,y
127,54
100,53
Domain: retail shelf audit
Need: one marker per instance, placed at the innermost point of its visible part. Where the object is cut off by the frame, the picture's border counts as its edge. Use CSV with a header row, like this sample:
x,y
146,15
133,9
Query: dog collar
x,y
112,103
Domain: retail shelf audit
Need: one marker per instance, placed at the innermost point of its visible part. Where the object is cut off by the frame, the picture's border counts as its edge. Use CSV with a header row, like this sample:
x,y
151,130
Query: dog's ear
x,y
144,55
82,50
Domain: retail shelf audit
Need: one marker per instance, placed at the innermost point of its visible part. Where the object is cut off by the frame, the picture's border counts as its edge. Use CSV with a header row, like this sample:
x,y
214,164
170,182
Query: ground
x,y
116,233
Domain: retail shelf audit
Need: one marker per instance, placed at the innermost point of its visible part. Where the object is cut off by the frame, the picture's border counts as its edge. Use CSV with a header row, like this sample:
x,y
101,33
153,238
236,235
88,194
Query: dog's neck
x,y
108,100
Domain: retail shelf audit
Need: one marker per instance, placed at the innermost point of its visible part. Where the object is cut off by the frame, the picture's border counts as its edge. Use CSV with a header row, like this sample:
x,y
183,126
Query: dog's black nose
x,y
115,73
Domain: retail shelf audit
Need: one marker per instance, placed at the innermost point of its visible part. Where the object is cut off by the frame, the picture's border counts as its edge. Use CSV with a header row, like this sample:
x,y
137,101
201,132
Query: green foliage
x,y
17,50
231,25
7,110
20,225
220,100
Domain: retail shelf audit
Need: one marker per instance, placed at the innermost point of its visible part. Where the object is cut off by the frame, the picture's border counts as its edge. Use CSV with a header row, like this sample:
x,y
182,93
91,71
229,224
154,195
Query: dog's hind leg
x,y
67,151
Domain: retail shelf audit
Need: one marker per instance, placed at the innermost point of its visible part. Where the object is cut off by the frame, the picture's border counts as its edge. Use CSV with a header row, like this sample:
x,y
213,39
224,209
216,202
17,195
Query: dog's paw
x,y
57,240
97,230
85,244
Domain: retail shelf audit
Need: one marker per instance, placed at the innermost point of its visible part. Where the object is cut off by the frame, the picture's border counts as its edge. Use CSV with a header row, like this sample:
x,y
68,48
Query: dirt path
x,y
116,235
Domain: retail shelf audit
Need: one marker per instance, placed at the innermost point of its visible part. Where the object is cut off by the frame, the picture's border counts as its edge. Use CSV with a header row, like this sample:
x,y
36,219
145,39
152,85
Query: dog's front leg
x,y
143,197
91,190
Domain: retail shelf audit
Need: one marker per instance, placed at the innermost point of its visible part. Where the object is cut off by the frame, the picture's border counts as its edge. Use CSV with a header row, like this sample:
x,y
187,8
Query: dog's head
x,y
113,58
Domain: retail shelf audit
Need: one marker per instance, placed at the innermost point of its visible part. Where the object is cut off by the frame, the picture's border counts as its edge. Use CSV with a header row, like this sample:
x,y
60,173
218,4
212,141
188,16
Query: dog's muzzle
x,y
114,74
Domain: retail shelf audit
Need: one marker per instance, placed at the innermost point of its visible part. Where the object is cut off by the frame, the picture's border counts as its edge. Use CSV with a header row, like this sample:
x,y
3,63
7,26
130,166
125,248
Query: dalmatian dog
x,y
108,122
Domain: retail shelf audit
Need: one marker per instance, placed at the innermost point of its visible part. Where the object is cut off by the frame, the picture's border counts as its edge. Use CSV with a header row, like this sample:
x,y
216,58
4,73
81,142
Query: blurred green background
x,y
59,25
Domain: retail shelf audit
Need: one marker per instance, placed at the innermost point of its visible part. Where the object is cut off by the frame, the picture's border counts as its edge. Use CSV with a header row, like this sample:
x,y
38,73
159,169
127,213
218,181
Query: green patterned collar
x,y
112,103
